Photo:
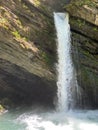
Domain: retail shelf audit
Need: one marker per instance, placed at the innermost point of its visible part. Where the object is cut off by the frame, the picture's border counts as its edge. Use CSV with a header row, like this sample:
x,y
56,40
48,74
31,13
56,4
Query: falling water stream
x,y
40,118
64,68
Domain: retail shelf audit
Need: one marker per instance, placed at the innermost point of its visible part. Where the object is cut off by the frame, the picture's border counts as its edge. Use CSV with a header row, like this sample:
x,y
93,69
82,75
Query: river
x,y
39,118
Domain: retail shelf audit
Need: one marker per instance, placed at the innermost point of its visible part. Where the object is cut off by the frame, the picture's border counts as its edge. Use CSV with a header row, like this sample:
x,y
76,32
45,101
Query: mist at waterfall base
x,y
40,118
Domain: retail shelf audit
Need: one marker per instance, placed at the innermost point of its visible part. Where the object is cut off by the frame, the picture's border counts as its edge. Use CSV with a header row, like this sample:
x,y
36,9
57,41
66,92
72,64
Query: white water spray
x,y
64,68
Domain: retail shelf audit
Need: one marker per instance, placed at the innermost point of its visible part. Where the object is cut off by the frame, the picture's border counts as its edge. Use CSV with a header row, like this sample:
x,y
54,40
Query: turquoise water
x,y
8,121
41,119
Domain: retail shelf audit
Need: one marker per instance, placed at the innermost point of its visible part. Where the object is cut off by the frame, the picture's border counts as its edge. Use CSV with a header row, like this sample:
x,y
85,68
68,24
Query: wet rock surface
x,y
28,50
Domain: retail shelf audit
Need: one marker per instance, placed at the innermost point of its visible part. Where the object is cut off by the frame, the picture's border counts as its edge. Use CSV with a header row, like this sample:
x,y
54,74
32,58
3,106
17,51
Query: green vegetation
x,y
85,2
37,2
4,23
95,29
1,108
80,3
48,59
16,34
80,23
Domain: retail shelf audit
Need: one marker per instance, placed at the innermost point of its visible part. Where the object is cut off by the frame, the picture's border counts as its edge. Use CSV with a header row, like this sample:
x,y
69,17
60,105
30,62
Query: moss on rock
x,y
1,109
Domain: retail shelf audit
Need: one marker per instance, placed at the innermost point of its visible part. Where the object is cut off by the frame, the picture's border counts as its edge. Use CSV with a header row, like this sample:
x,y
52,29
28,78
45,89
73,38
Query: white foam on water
x,y
78,120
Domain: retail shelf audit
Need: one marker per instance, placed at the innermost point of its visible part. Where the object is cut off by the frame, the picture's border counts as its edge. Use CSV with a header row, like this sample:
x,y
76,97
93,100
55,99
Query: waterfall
x,y
64,67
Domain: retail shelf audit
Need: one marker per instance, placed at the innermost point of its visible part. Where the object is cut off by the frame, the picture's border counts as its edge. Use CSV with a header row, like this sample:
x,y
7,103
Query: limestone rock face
x,y
28,50
84,26
87,10
27,55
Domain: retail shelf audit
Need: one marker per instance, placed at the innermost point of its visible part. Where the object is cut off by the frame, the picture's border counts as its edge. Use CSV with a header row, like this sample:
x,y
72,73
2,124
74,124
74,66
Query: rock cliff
x,y
84,26
26,54
28,50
